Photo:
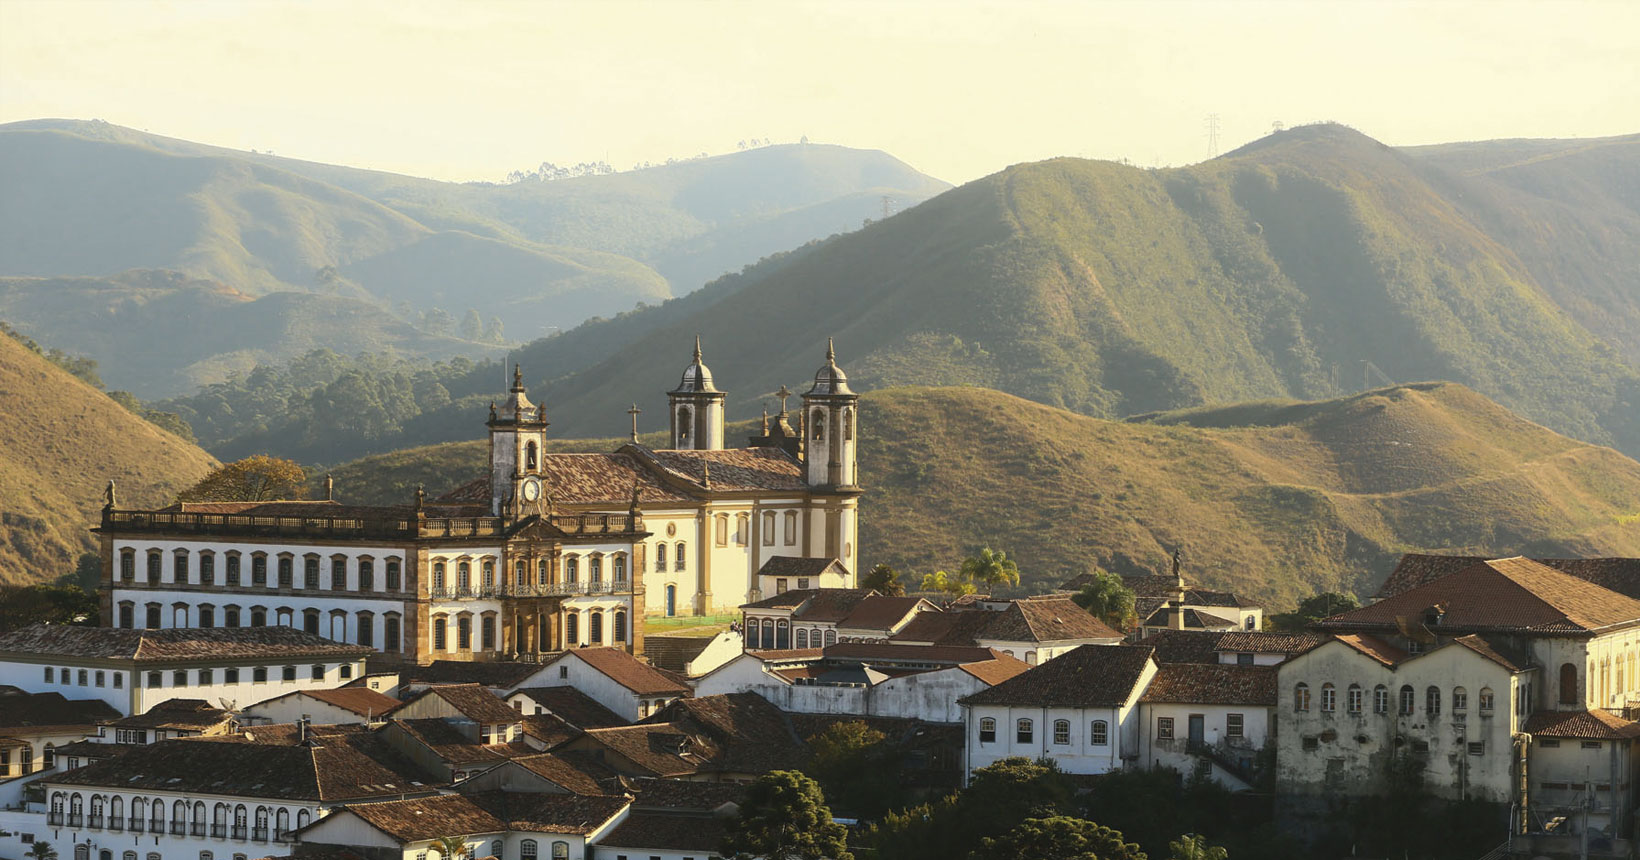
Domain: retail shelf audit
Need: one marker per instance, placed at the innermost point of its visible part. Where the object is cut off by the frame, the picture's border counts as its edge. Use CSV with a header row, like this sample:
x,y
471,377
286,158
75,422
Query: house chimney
x,y
330,488
302,730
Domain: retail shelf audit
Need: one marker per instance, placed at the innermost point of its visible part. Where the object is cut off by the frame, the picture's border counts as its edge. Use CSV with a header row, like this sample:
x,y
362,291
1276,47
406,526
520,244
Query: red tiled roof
x,y
1088,676
733,469
578,774
444,741
1595,724
360,700
32,710
1496,650
1185,646
174,643
630,672
797,566
1213,684
428,818
819,604
1045,619
474,701
702,834
1373,647
1290,644
877,612
1500,595
872,652
573,706
541,812
1621,575
995,670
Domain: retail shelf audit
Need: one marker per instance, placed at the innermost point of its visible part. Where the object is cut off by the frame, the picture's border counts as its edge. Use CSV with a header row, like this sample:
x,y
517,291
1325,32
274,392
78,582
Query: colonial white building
x,y
545,552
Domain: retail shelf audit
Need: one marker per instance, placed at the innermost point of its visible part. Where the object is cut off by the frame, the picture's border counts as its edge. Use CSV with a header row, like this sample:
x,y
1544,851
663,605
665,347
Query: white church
x,y
546,552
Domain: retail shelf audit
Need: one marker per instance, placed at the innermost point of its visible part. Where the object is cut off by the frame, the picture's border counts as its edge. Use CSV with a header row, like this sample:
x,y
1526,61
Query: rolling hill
x,y
1293,267
60,444
93,200
1275,499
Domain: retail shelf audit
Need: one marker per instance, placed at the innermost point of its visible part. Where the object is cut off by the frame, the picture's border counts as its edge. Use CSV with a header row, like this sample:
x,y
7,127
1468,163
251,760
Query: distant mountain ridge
x,y
1275,499
93,200
1296,266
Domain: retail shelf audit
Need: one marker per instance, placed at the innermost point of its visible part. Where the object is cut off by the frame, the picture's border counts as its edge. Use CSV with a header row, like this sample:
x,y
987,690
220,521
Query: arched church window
x,y
595,627
529,456
681,557
817,425
438,576
722,529
791,528
595,570
543,572
489,573
683,424
619,564
848,424
620,627
572,628
660,558
572,568
768,528
464,576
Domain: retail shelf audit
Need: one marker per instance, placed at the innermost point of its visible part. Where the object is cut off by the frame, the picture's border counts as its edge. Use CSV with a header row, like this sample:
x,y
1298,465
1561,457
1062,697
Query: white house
x,y
816,617
493,721
1035,629
339,706
33,726
1080,709
133,670
1212,719
612,678
511,825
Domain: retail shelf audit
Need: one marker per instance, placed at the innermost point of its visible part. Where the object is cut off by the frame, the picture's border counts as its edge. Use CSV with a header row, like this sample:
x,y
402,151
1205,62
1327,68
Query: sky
x,y
473,90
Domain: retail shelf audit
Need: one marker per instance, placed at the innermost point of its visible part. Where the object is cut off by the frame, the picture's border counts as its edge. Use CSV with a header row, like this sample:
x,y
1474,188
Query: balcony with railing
x,y
138,825
239,832
198,828
259,834
116,822
54,819
219,831
179,828
96,821
528,589
282,835
386,523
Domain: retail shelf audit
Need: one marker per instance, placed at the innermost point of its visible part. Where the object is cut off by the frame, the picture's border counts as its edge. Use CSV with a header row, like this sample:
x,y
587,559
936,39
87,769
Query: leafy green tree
x,y
63,603
254,479
784,817
1058,838
848,760
472,325
884,580
1312,609
990,567
953,584
922,832
1194,847
437,321
1002,794
41,850
1108,598
496,331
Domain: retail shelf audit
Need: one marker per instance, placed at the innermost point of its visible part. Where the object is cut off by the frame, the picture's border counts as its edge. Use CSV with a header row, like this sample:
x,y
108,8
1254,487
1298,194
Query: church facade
x,y
545,552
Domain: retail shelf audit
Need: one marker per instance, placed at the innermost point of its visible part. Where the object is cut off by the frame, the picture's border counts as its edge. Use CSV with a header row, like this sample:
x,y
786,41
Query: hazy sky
x,y
472,90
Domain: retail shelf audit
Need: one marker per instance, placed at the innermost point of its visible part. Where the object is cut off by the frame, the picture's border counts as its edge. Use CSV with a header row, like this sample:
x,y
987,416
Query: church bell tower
x,y
829,409
696,407
518,441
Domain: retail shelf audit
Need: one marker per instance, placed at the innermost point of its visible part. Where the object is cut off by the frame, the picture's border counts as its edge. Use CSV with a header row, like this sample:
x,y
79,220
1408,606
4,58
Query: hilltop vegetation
x,y
1276,500
1275,271
60,443
91,207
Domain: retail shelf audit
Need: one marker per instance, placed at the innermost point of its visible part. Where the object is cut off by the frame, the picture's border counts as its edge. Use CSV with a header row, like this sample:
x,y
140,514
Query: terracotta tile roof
x,y
951,627
1194,619
673,653
1045,619
997,669
500,675
819,604
878,613
658,750
445,741
310,508
1185,646
733,469
673,794
585,479
174,643
540,812
1290,644
795,566
360,700
630,672
337,769
1595,724
1495,649
549,730
889,652
177,714
284,734
702,834
1500,595
1213,684
33,710
747,733
1373,647
474,701
1621,575
93,750
1088,676
429,818
573,706
578,774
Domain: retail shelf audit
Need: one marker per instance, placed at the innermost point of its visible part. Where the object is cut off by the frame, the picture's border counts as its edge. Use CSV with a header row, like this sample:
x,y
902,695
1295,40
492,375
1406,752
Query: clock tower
x,y
518,440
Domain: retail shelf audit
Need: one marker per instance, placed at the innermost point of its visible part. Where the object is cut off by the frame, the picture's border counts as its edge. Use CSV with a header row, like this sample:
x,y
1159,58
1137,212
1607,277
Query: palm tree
x,y
992,567
884,580
42,851
956,585
451,847
1108,598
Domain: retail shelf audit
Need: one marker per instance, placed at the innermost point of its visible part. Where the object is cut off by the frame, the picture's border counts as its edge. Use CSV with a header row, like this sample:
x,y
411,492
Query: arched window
x,y
495,847
154,566
139,813
1432,701
441,633
241,815
367,575
543,572
82,851
259,616
365,628
1568,684
683,425
1301,697
438,576
529,464
49,754
128,565
286,565
527,849
817,425
281,823
464,632
310,621
489,573
99,806
595,627
261,828
782,635
156,816
680,556
802,637
572,628
1408,699
207,567
486,632
231,568
310,572
464,576
595,570
390,633
179,817
620,627
560,851
394,580
259,568
1486,700
303,818
831,636
619,563
721,529
769,640
743,529
1062,731
1354,700
219,821
660,558
768,528
572,568
987,729
283,616
1329,698
1023,731
1460,700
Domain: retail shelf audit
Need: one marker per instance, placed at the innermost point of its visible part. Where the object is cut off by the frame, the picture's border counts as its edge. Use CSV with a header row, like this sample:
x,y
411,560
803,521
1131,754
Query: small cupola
x,y
829,379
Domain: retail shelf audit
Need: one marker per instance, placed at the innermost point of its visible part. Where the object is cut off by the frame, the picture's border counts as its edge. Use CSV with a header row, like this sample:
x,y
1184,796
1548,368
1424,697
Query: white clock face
x,y
532,490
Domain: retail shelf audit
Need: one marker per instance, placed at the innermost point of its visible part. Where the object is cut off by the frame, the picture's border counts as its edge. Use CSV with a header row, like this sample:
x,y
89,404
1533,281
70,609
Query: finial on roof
x,y
109,499
518,378
421,497
831,354
634,412
706,474
765,419
783,393
492,410
330,488
634,509
697,347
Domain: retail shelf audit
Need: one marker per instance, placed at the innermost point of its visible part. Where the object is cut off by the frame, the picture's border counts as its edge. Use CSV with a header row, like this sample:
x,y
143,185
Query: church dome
x,y
697,377
830,379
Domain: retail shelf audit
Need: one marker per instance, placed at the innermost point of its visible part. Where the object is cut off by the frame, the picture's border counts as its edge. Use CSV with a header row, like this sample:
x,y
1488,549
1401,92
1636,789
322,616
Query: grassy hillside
x,y
162,332
1275,271
60,443
1276,499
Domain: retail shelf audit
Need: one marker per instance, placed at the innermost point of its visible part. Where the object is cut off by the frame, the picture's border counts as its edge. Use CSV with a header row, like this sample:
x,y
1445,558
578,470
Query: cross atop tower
x,y
634,412
783,393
